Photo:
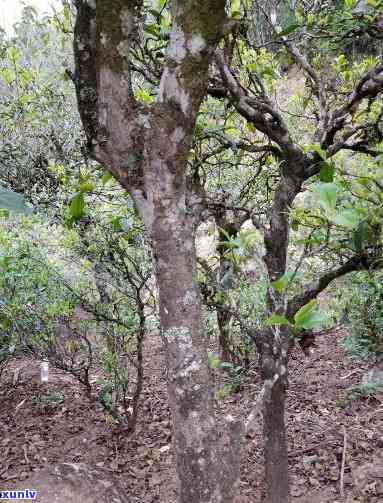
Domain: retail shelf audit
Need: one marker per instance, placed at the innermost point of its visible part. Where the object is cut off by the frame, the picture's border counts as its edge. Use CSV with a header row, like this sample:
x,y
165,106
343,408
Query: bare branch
x,y
369,86
317,81
257,110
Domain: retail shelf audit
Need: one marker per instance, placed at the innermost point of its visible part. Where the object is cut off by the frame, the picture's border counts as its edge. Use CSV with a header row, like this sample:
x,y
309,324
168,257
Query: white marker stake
x,y
44,371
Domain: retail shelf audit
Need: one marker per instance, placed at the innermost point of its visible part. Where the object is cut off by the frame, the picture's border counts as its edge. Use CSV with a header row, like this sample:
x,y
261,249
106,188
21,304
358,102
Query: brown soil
x,y
75,431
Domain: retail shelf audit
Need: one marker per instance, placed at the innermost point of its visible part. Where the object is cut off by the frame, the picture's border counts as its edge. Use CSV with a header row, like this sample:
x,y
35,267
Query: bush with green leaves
x,y
43,157
365,312
34,305
359,392
39,132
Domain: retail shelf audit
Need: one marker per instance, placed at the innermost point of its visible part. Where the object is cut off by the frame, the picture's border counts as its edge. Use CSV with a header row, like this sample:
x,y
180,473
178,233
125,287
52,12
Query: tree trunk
x,y
274,361
274,351
189,389
275,447
223,321
146,147
226,228
105,301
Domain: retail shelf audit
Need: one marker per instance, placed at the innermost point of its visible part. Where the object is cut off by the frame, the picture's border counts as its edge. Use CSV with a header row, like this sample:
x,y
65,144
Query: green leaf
x,y
307,308
267,70
116,224
326,173
87,187
317,319
309,317
77,206
363,181
236,15
144,96
349,4
224,392
14,54
328,194
316,148
349,218
12,201
7,75
214,361
250,127
235,6
280,284
106,178
152,29
295,225
277,319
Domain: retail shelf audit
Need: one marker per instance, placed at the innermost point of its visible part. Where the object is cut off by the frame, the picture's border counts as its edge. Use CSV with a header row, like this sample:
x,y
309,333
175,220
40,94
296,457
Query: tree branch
x,y
112,119
369,86
370,259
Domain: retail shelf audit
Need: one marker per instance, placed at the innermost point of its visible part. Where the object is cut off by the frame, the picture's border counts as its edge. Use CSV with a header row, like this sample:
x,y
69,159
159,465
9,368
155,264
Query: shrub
x,y
365,313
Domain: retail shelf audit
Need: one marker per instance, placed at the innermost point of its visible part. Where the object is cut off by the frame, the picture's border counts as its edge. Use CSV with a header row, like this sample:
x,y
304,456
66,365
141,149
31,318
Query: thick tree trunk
x,y
146,148
189,389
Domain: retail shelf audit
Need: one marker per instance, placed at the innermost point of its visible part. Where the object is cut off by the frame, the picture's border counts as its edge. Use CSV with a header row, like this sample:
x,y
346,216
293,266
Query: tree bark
x,y
274,354
189,390
274,428
276,461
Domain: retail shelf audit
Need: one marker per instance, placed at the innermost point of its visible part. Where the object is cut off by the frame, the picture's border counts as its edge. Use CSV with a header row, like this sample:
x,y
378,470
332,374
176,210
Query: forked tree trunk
x,y
146,148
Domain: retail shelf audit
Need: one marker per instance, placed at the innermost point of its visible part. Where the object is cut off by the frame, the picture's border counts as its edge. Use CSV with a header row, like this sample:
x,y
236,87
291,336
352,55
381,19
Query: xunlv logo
x,y
18,495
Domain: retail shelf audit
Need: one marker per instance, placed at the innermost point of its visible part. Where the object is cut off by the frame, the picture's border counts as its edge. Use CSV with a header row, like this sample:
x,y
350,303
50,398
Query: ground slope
x,y
74,430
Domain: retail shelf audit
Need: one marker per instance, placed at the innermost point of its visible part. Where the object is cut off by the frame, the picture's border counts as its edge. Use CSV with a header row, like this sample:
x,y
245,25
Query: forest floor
x,y
320,426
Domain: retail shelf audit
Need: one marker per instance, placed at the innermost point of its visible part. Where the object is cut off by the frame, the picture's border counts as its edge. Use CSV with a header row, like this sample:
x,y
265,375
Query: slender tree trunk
x,y
105,301
223,321
275,444
274,352
223,317
140,368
